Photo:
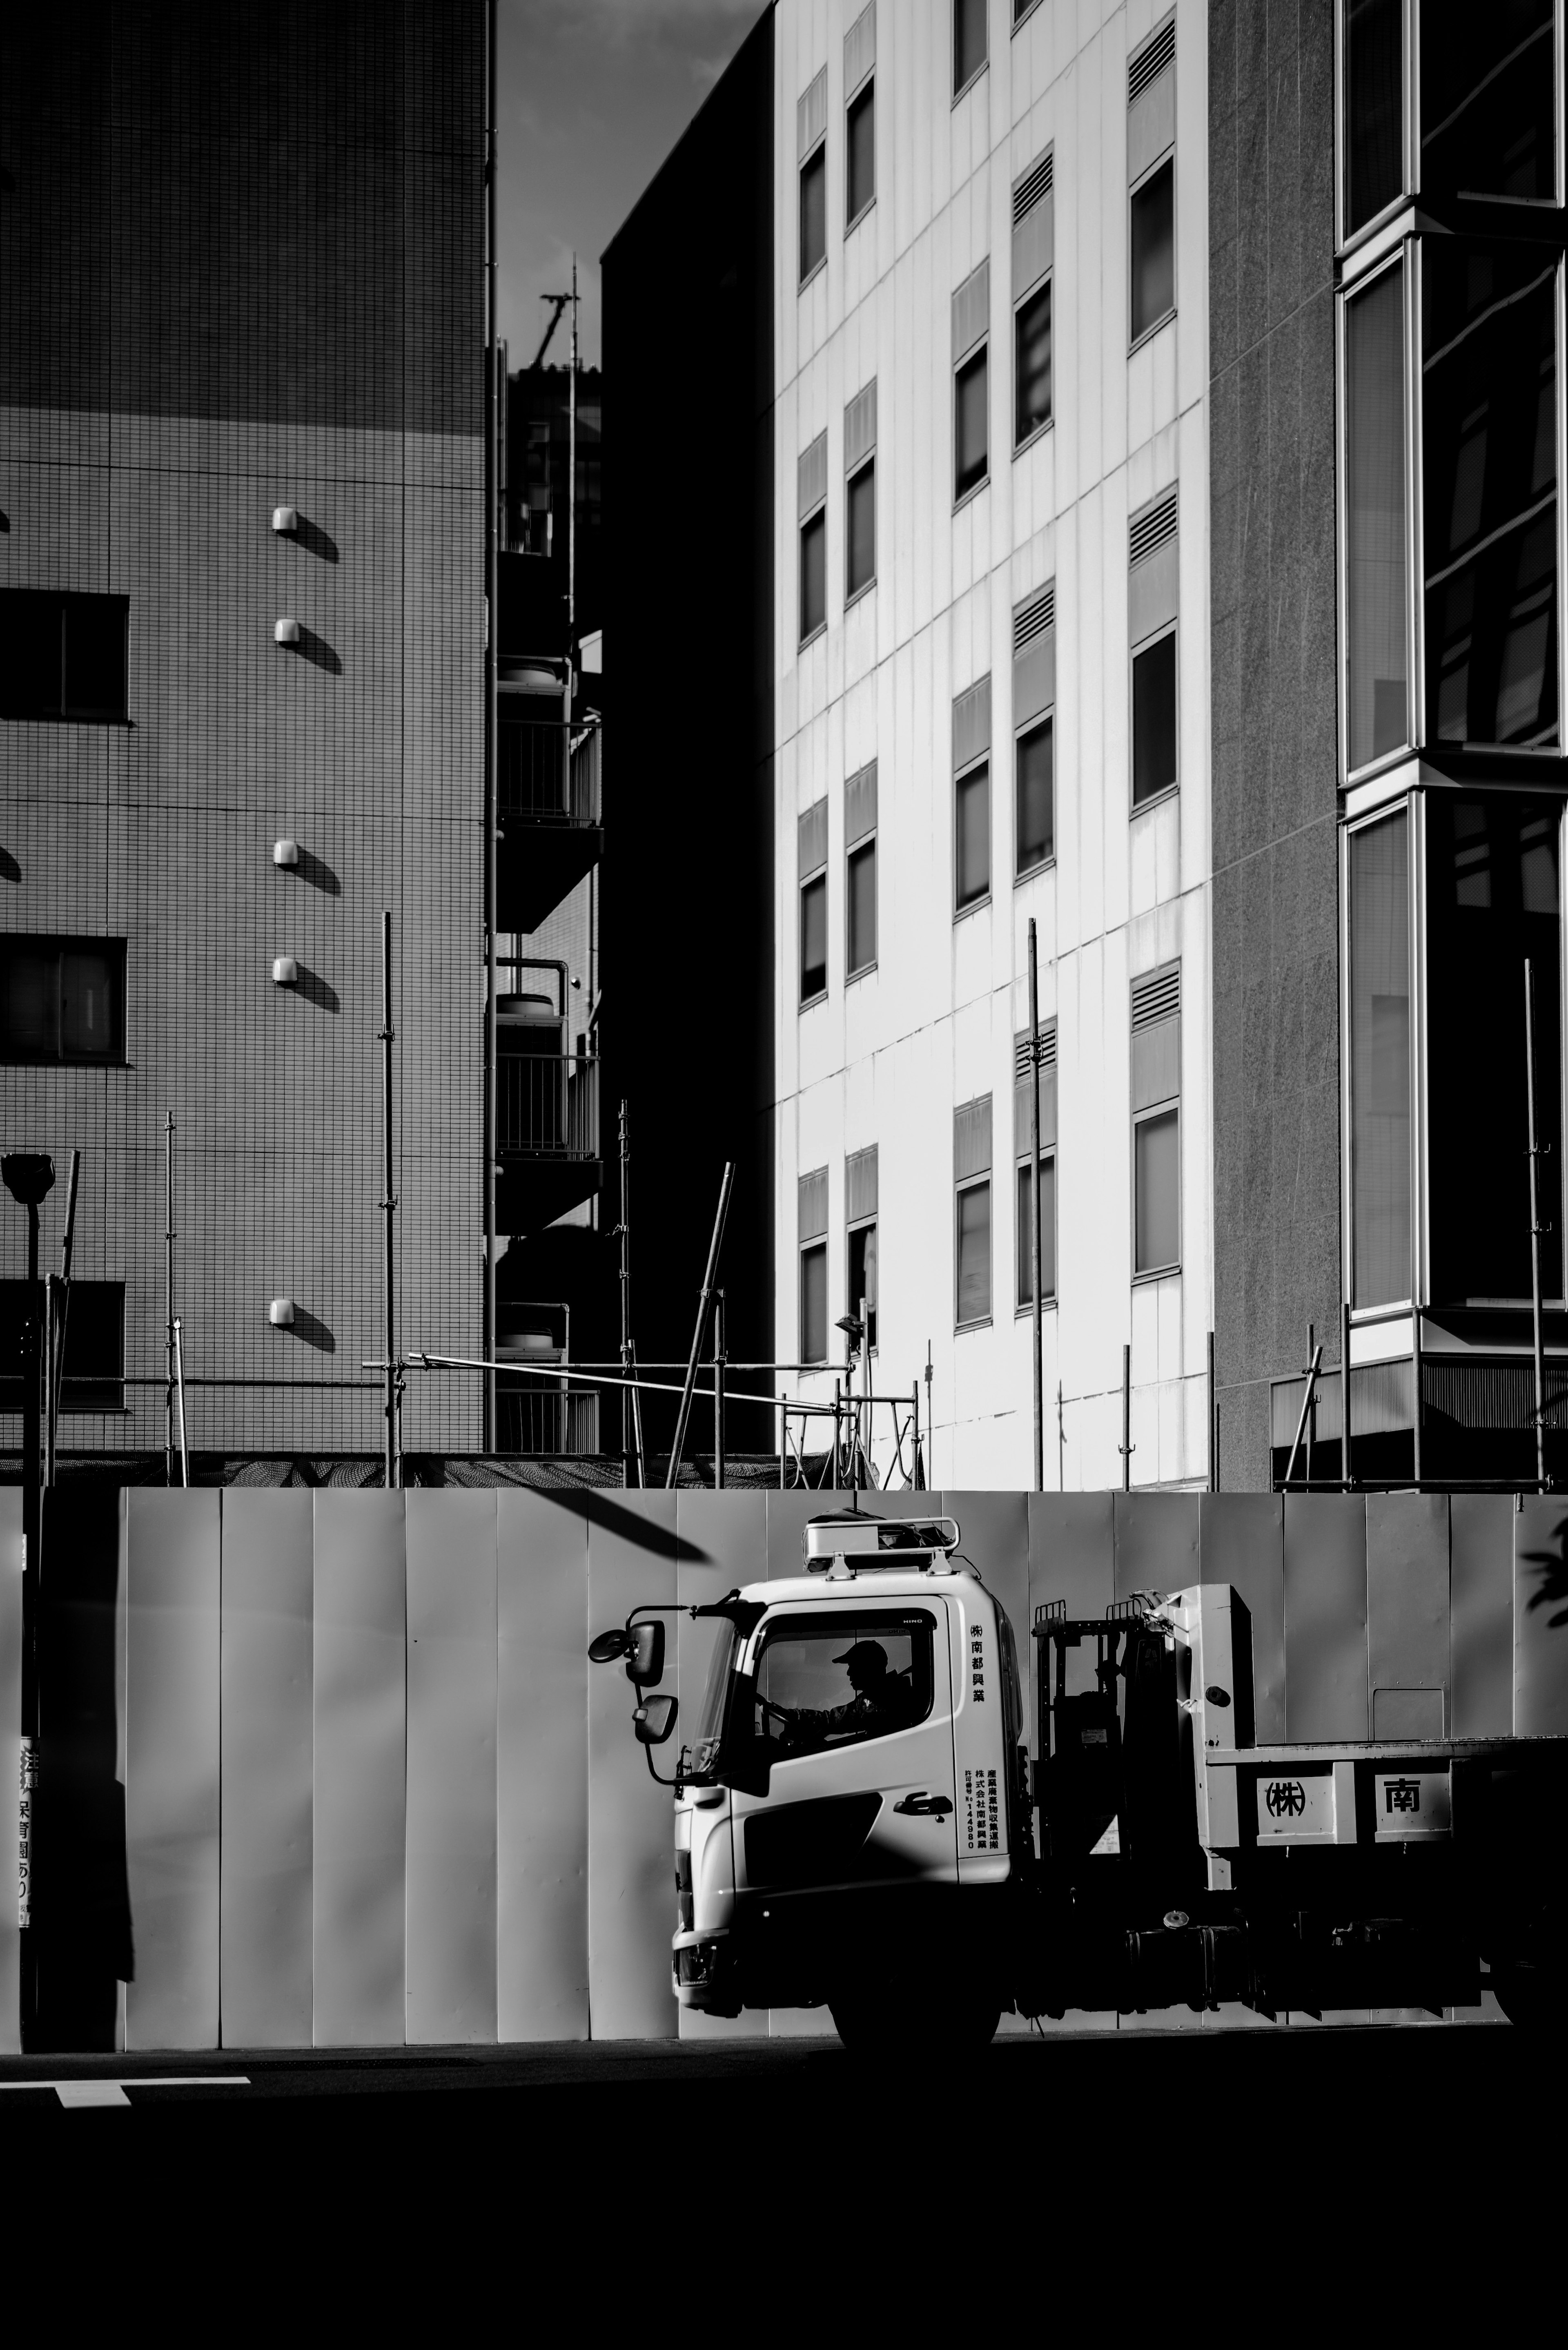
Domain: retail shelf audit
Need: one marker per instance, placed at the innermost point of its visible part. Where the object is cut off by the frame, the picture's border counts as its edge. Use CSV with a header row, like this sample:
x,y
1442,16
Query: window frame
x,y
866,846
1403,255
1166,1106
1171,791
865,465
1412,805
962,1186
815,520
1166,162
863,94
1046,285
962,89
61,712
61,943
852,1225
1022,734
971,768
817,155
977,356
1024,1165
817,1246
83,1395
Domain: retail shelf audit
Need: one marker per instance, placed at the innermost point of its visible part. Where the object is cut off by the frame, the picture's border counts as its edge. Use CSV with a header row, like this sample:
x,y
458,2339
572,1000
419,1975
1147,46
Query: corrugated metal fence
x,y
373,1794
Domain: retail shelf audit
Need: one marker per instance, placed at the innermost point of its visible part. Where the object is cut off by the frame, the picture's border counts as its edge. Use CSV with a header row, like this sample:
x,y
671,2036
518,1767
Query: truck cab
x,y
852,1809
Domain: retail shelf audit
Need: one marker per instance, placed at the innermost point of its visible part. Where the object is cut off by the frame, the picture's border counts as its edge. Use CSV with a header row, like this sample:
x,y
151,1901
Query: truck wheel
x,y
873,2025
1533,1997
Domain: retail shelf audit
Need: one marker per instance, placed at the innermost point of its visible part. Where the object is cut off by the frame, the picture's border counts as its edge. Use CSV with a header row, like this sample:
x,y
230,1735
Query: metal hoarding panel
x,y
541,1767
11,1558
1326,1617
1480,1584
1243,1543
1072,1557
631,1875
723,1542
265,1746
1157,1541
1540,1620
1408,1650
359,1718
995,1528
787,1516
172,1763
449,1890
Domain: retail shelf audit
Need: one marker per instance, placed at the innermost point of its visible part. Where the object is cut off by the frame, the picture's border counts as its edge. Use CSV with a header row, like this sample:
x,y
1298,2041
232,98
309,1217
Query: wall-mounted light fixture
x,y
285,972
284,519
285,852
285,632
280,1313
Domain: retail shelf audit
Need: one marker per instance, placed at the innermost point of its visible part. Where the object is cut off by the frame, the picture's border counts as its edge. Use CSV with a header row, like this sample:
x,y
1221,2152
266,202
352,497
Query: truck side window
x,y
828,1680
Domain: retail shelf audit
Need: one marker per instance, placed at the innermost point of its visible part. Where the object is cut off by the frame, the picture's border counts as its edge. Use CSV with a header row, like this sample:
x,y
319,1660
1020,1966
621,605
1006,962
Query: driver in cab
x,y
882,1701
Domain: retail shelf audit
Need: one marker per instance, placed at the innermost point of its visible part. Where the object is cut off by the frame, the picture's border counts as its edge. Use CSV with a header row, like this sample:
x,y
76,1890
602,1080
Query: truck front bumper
x,y
703,1970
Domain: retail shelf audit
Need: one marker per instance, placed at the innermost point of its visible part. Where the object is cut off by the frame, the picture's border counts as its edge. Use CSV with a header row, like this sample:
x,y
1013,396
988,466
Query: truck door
x,y
852,1708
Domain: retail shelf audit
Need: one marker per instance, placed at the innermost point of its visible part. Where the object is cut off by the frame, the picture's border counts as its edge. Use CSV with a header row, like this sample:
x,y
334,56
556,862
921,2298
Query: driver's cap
x,y
865,1652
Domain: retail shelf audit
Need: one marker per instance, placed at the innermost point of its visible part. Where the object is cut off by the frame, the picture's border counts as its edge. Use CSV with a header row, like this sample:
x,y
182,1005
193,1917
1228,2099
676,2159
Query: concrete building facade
x,y
242,370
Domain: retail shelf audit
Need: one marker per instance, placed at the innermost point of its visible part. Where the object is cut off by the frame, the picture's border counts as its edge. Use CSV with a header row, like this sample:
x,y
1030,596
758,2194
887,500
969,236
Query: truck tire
x,y
872,2024
1533,1999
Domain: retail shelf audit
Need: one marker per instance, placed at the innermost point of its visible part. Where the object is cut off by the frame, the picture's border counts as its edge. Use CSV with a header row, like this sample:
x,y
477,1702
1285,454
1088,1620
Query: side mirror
x,y
608,1646
655,1716
645,1655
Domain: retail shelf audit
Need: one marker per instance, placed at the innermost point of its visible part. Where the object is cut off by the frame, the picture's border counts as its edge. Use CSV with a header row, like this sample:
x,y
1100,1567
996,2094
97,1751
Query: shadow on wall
x,y
9,868
315,649
319,875
315,990
314,540
1552,1574
314,1333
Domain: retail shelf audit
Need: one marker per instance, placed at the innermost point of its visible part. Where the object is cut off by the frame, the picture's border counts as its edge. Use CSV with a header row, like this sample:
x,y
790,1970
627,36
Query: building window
x,y
859,115
813,1213
811,832
1151,179
1153,579
972,796
860,871
972,444
1033,700
93,1371
1378,888
813,498
811,127
860,492
1377,712
63,655
62,999
1489,469
860,1251
1023,1153
1033,233
1492,899
971,1212
1488,123
1373,143
1157,1121
968,42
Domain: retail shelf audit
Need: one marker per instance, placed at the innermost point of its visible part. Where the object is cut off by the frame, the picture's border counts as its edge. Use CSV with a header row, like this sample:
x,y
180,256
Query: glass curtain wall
x,y
1374,60
1488,124
1379,913
1378,706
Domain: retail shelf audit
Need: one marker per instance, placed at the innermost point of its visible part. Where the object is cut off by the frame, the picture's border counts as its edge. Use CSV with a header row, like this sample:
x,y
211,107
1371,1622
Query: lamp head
x,y
29,1175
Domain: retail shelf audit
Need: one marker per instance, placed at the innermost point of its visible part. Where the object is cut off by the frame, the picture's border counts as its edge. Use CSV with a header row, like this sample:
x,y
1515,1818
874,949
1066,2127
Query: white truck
x,y
854,1816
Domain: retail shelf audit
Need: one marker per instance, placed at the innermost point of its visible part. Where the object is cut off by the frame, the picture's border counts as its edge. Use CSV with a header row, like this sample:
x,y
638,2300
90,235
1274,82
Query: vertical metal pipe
x,y
67,1251
1127,1420
169,1296
179,1385
32,1518
1344,1461
714,1245
837,1387
783,1440
917,1468
623,1232
1535,1226
389,1205
718,1391
496,405
572,485
1213,1424
50,1309
1060,1442
1312,1400
1038,1332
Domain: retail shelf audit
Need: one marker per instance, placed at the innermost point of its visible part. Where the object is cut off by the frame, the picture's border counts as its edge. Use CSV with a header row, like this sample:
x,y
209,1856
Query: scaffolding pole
x,y
388,1203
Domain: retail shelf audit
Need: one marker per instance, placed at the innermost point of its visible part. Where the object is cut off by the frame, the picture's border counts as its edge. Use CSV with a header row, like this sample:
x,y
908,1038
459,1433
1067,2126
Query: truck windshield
x,y
831,1680
710,1719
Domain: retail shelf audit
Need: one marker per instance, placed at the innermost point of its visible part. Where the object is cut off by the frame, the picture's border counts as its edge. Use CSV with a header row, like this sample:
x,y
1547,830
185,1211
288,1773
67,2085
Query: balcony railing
x,y
547,1105
545,1422
550,772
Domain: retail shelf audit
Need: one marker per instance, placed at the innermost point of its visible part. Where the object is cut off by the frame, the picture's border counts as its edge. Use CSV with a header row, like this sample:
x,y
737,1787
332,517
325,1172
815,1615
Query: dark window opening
x,y
1031,364
93,1371
63,655
812,213
813,575
969,41
1048,1229
1154,718
814,1302
1379,986
1489,491
973,1253
1157,1185
62,999
1492,900
971,877
1374,109
1153,212
860,151
1036,798
861,531
1376,603
814,938
970,443
831,1680
862,899
1488,120
863,1277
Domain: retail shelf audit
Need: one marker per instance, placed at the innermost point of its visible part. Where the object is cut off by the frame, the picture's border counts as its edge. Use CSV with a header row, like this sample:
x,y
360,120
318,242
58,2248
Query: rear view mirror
x,y
645,1654
608,1646
655,1716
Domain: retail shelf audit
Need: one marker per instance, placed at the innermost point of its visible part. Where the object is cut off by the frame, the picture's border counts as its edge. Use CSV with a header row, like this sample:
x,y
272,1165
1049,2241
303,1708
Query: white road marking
x,y
112,2093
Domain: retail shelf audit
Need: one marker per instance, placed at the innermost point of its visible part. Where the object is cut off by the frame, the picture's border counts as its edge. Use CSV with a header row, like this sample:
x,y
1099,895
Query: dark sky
x,y
593,94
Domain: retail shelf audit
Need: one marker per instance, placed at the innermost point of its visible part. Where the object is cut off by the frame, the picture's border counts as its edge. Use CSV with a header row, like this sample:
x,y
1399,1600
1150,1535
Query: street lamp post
x,y
30,1177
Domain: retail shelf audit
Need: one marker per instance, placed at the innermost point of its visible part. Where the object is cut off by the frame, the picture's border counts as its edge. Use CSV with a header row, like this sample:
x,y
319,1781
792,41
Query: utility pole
x,y
719,1390
496,424
1039,1338
1537,1152
389,1202
58,1325
714,1246
1126,1446
168,1296
630,1449
30,1177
